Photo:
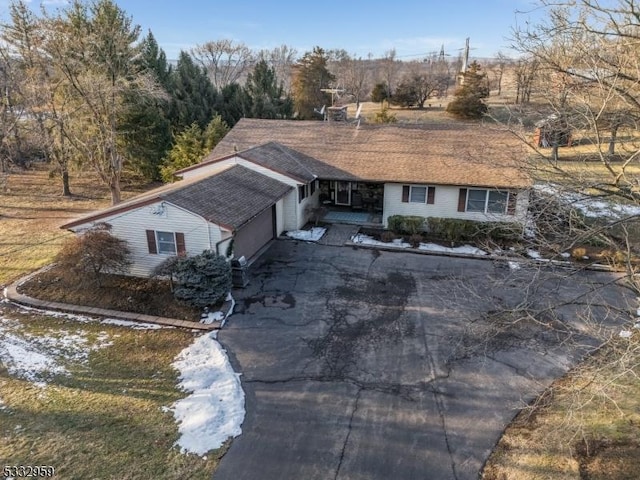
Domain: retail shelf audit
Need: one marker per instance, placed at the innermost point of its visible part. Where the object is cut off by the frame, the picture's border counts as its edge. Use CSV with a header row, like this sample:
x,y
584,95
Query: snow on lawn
x,y
363,239
214,411
312,235
85,319
133,325
37,358
591,206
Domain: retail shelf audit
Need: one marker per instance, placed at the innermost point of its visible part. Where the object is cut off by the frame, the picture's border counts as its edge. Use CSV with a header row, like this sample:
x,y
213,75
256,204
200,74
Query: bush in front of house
x,y
200,280
459,230
409,224
387,236
95,252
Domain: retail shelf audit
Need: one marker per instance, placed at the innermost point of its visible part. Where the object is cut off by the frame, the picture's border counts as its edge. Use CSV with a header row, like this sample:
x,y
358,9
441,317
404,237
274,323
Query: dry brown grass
x,y
587,425
107,418
31,212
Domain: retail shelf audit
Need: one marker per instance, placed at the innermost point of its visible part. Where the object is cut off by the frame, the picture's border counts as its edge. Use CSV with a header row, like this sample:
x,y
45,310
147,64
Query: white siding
x,y
280,217
302,215
199,235
445,205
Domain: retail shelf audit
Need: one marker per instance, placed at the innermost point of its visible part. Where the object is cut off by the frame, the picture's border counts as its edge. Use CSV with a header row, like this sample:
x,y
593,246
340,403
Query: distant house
x,y
552,131
261,178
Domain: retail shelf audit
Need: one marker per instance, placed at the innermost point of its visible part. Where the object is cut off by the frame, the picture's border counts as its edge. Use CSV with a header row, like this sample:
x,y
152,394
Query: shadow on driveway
x,y
359,364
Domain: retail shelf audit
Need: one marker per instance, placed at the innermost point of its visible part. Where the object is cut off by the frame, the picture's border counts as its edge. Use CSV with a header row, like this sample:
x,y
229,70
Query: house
x,y
261,178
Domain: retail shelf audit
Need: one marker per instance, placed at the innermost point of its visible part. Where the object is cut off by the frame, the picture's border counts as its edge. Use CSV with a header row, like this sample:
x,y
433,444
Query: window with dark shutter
x,y
180,246
151,241
431,195
511,203
405,194
313,187
462,200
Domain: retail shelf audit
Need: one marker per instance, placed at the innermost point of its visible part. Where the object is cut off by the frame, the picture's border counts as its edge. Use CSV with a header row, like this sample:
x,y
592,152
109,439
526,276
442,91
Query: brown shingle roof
x,y
445,154
293,163
229,198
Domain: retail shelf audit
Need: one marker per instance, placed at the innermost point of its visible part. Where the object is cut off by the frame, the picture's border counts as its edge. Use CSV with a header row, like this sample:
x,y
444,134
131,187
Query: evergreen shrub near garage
x,y
200,280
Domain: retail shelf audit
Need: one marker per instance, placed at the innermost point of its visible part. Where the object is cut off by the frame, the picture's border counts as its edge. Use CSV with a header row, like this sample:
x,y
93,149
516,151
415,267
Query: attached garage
x,y
250,238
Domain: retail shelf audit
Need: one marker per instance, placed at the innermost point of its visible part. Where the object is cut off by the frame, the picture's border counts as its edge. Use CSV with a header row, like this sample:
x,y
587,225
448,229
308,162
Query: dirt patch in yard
x,y
118,292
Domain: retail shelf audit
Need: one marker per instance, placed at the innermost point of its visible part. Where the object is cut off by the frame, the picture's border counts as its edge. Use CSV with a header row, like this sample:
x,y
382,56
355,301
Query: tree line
x,y
83,89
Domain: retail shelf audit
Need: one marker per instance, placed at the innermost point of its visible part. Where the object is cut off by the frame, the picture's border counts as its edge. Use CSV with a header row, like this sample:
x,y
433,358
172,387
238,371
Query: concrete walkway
x,y
338,234
12,294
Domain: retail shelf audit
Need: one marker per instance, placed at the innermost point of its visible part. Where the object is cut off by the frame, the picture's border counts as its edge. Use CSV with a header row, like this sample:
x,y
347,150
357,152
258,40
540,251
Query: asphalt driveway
x,y
360,364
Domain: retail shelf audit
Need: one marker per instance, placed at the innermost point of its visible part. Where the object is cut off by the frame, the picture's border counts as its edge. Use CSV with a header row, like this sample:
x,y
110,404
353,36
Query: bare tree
x,y
352,74
390,67
497,68
40,88
423,81
281,59
525,71
225,61
9,113
587,83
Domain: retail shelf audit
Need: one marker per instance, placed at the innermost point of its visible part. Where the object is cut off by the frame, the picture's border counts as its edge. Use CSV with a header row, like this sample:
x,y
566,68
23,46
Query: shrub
x,y
500,231
387,236
201,280
415,240
95,252
413,224
459,230
409,224
395,223
452,229
384,117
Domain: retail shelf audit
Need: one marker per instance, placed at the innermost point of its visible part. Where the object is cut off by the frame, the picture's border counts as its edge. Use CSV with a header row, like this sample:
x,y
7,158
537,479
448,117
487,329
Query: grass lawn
x,y
586,426
106,418
31,211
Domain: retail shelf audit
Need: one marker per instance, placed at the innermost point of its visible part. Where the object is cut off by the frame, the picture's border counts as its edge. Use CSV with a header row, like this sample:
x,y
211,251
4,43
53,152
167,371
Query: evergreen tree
x,y
380,93
192,145
468,101
311,77
192,95
147,130
215,131
266,96
153,60
232,103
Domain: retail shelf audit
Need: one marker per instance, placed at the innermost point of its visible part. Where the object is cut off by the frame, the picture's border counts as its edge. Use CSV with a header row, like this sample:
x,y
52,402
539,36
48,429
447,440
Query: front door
x,y
343,193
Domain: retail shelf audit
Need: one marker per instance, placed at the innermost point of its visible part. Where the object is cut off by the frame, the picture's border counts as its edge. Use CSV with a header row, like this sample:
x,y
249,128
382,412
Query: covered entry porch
x,y
356,196
357,203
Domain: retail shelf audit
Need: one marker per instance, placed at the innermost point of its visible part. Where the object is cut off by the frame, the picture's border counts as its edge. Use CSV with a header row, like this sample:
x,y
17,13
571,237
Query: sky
x,y
415,28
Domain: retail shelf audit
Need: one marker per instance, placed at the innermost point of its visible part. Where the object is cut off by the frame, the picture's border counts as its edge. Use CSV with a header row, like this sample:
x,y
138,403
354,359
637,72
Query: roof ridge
x,y
283,148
